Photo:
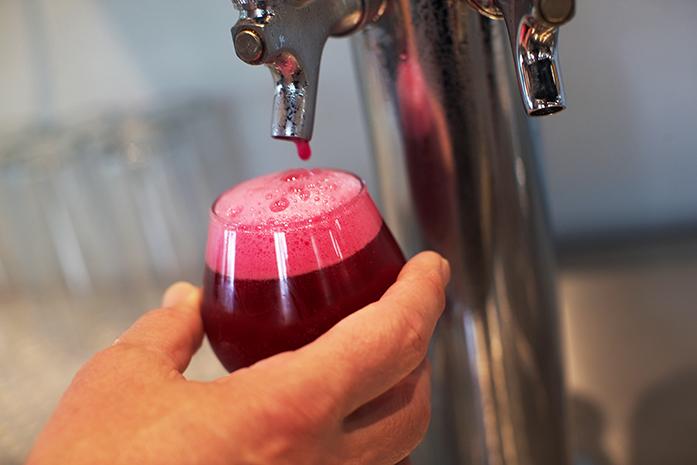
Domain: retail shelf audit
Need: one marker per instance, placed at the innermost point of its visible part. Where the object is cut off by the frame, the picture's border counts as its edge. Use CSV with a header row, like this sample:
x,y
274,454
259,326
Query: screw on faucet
x,y
249,46
556,11
289,36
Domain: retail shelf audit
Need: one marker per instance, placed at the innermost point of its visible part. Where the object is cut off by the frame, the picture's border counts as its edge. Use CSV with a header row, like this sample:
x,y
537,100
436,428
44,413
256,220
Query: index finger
x,y
373,349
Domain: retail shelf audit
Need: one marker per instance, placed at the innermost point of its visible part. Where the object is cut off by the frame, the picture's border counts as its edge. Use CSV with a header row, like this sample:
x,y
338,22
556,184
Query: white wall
x,y
623,156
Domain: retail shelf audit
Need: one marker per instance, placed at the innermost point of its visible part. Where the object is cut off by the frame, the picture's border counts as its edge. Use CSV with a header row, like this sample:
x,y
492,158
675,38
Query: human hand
x,y
357,395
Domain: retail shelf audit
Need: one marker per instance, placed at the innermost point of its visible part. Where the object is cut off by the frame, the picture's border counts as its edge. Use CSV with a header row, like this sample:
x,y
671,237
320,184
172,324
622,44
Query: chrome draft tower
x,y
454,151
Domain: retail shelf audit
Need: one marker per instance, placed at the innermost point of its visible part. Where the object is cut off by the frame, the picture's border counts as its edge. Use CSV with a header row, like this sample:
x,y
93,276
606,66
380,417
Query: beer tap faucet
x,y
288,36
533,29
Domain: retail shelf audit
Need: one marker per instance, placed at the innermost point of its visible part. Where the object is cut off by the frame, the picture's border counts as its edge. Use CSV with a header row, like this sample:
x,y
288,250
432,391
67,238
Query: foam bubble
x,y
290,223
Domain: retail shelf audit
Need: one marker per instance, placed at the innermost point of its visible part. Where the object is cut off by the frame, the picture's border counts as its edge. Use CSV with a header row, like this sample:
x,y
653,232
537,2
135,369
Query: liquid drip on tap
x,y
304,150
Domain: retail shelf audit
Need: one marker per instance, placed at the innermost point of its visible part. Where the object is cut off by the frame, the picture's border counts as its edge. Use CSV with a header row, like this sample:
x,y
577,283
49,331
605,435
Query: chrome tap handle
x,y
533,28
288,36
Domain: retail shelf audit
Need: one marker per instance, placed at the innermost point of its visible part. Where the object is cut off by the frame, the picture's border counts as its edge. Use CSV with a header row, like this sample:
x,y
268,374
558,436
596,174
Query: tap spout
x,y
537,66
533,28
288,36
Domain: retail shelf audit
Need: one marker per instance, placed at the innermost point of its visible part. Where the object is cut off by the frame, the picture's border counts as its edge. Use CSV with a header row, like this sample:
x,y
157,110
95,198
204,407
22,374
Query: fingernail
x,y
445,270
181,294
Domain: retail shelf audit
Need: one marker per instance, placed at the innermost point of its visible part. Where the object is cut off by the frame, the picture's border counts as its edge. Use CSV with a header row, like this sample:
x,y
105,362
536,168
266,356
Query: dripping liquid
x,y
304,150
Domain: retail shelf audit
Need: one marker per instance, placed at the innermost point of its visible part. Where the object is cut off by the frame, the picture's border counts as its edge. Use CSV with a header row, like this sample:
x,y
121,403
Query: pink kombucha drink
x,y
289,255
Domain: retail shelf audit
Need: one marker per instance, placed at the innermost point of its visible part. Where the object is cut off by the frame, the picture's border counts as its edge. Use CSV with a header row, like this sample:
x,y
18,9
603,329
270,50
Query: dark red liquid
x,y
304,150
249,320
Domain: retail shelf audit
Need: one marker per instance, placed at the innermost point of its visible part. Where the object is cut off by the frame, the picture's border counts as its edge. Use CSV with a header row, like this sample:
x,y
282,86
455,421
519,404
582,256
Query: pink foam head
x,y
290,223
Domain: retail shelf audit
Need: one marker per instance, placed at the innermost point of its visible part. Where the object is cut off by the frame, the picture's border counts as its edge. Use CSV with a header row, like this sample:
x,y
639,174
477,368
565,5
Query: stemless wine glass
x,y
289,255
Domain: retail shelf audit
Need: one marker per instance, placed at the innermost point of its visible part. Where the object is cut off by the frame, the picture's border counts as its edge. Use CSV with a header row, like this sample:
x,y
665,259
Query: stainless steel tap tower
x,y
440,97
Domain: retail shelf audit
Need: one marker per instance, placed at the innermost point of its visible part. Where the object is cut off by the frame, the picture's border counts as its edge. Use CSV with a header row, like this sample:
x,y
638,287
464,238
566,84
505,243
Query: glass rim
x,y
293,225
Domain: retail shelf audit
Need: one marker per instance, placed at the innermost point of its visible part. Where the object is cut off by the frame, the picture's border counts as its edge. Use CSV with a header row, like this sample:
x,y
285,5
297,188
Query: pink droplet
x,y
304,150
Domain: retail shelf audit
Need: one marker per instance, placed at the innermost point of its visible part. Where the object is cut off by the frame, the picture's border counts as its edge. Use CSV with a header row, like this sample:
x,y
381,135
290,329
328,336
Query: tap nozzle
x,y
288,36
533,27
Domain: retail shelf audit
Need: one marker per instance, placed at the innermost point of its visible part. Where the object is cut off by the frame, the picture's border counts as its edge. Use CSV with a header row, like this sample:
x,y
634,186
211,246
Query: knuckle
x,y
419,422
433,287
423,417
421,426
415,338
413,427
